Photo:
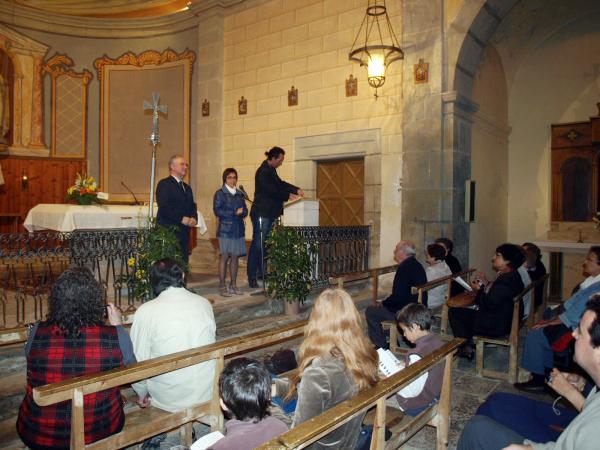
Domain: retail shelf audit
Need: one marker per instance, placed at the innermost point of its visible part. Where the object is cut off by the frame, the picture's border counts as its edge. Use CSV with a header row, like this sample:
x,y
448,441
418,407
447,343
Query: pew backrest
x,y
323,424
372,274
74,389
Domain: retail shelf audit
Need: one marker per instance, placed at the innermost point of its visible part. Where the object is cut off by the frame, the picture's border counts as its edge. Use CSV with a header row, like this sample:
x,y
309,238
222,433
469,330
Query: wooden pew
x,y
372,274
419,290
437,415
511,341
141,424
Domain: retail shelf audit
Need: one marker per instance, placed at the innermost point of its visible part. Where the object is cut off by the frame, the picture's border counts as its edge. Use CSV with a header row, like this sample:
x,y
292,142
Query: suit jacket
x,y
409,273
494,316
174,203
270,192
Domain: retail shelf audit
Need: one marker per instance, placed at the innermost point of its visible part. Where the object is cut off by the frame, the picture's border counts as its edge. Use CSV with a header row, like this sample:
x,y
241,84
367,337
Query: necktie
x,y
182,186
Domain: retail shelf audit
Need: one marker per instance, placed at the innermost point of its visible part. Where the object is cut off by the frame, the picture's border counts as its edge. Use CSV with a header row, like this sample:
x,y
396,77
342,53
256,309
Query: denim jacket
x,y
224,206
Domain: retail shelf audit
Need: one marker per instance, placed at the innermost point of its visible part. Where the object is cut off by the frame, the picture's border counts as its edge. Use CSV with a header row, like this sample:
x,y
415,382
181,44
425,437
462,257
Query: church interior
x,y
484,127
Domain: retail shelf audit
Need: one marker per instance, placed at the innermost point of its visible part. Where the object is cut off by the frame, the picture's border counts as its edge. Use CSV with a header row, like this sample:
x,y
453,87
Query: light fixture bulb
x,y
376,65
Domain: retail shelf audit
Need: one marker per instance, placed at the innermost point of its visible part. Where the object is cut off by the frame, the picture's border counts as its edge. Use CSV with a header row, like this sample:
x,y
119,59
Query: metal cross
x,y
156,108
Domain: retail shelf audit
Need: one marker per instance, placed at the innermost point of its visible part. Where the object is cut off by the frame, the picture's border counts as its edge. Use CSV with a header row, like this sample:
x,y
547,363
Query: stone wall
x,y
274,45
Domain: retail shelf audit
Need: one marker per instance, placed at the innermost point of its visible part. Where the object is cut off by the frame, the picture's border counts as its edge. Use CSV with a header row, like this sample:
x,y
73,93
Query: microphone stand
x,y
262,248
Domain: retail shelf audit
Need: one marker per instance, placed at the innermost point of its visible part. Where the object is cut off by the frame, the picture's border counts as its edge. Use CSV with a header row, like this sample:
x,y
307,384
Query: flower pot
x,y
291,308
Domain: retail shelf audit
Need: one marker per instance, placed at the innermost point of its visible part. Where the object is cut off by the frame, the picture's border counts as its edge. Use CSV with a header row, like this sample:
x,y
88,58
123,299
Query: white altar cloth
x,y
85,217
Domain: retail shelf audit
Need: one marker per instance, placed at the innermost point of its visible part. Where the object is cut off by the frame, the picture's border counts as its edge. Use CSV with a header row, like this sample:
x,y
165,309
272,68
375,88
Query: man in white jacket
x,y
175,320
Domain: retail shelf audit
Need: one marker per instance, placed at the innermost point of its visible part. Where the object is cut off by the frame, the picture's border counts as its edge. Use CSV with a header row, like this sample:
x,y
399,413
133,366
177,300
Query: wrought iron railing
x,y
29,263
339,250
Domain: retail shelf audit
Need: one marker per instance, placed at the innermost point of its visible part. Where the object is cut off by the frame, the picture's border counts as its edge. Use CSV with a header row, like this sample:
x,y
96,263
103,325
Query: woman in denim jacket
x,y
230,208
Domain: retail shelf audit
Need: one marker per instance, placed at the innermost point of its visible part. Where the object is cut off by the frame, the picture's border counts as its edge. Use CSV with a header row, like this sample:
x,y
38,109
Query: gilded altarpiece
x,y
125,151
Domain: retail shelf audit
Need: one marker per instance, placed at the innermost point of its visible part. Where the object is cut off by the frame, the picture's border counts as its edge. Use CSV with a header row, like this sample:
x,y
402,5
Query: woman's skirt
x,y
233,246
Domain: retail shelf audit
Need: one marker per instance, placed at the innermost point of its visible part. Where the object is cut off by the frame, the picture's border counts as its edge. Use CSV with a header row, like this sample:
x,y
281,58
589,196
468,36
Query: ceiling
x,y
113,9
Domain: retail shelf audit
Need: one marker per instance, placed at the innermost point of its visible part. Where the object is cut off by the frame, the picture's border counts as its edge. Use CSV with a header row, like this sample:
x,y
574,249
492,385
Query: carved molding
x,y
149,57
60,65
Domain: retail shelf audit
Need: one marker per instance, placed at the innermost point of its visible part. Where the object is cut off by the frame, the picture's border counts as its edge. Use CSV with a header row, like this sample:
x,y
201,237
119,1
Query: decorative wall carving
x,y
125,82
26,56
69,107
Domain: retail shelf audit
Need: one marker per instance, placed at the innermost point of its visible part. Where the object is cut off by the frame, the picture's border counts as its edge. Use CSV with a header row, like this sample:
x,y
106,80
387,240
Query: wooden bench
x,y
141,424
511,341
419,290
437,415
372,274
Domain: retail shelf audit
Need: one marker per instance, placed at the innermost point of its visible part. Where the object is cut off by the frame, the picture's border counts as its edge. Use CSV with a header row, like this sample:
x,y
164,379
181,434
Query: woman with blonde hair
x,y
336,361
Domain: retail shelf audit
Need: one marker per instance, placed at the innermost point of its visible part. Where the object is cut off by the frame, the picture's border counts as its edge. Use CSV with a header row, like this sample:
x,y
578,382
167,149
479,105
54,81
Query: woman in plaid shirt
x,y
73,341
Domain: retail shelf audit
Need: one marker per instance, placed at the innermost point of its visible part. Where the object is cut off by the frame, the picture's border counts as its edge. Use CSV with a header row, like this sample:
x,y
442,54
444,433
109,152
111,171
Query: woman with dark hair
x,y
336,360
492,314
452,262
73,341
436,268
535,268
229,206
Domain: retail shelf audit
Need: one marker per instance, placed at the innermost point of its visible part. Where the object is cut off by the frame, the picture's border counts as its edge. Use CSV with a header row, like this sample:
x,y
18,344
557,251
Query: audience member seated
x,y
71,342
336,361
536,268
436,268
526,279
583,432
409,273
414,321
492,313
452,263
175,320
245,391
554,334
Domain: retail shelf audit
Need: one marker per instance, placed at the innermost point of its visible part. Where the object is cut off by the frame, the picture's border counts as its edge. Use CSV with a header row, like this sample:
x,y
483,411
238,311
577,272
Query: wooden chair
x,y
511,341
437,415
372,274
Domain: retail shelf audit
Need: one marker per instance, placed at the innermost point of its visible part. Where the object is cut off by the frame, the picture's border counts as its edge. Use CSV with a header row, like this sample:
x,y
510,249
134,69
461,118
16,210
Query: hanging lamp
x,y
374,53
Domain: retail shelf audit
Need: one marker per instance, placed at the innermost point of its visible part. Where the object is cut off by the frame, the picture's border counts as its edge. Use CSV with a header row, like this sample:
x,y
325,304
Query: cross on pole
x,y
154,139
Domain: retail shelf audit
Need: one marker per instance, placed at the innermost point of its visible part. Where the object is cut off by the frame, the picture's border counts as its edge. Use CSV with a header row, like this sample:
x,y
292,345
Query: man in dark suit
x,y
270,192
176,204
409,273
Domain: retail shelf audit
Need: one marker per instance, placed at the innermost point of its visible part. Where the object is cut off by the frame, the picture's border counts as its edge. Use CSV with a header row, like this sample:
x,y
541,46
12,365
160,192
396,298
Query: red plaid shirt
x,y
55,357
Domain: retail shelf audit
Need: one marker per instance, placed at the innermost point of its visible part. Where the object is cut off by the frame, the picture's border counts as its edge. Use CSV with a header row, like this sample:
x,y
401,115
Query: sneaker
x,y
234,290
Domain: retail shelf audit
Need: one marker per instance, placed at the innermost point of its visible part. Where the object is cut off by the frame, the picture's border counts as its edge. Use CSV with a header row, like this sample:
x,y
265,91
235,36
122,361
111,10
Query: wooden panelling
x,y
340,190
48,180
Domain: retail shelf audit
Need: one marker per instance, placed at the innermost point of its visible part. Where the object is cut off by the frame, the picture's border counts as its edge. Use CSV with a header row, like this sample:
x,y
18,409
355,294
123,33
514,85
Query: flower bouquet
x,y
84,191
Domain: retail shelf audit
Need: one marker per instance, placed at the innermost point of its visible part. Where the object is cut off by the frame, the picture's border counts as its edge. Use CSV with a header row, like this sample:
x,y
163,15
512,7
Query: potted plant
x,y
289,269
159,242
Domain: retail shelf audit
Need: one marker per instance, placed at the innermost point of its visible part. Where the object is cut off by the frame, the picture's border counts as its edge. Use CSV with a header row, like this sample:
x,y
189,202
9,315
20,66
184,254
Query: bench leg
x,y
513,362
444,324
185,434
394,339
479,357
378,437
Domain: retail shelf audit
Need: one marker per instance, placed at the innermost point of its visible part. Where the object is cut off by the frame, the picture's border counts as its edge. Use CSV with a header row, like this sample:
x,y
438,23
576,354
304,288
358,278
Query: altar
x,y
67,218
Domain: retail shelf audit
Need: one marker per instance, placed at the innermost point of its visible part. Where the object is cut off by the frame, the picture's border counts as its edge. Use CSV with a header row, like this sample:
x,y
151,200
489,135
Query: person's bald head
x,y
404,249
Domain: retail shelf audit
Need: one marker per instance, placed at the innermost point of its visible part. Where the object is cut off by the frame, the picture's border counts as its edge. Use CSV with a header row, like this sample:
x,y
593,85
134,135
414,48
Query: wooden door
x,y
340,190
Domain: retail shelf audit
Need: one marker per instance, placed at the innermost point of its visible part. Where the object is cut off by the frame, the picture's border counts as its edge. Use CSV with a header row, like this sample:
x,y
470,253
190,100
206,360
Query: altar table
x,y
67,218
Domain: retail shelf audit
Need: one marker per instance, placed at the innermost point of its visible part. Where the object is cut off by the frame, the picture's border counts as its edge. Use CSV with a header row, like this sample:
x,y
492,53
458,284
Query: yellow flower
x,y
131,262
71,190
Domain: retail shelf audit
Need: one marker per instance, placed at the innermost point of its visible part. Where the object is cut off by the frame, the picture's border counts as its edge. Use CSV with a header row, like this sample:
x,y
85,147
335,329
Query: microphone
x,y
131,192
244,193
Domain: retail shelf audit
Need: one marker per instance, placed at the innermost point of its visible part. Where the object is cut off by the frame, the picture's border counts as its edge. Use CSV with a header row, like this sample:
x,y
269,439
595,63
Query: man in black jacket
x,y
176,204
270,192
409,273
